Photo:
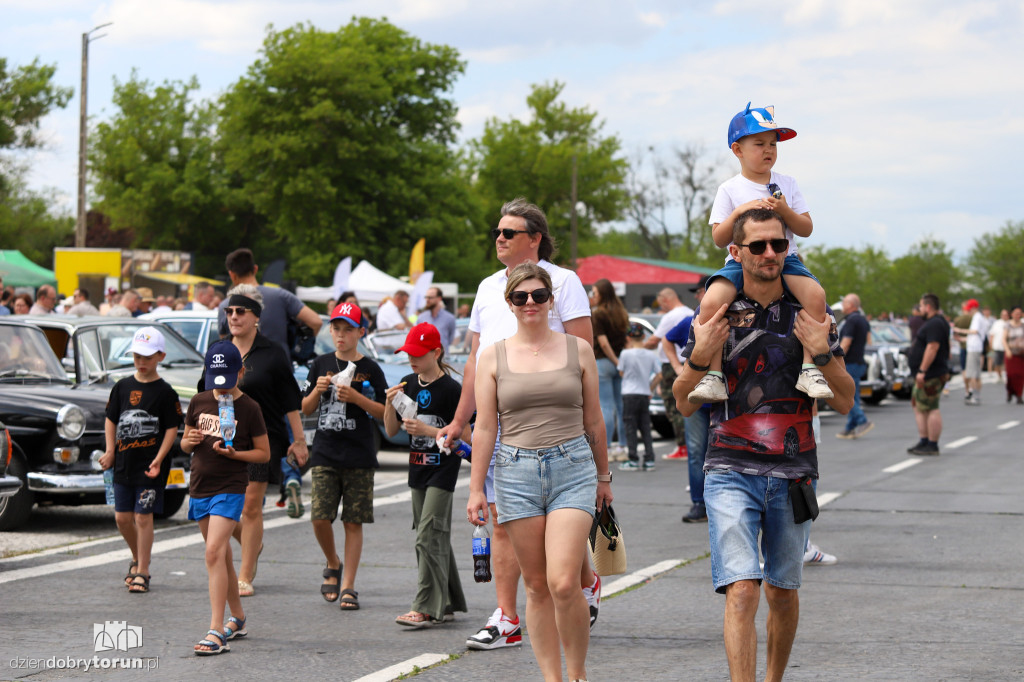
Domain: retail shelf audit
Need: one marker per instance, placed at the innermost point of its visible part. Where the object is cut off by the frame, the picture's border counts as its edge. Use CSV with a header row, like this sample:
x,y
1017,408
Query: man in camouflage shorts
x,y
929,360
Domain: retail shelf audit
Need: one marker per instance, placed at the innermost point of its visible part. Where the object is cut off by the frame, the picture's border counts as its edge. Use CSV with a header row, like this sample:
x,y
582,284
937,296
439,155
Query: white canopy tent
x,y
370,285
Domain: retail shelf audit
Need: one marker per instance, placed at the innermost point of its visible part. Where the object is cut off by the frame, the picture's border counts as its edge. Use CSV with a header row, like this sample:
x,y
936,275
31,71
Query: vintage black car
x,y
56,430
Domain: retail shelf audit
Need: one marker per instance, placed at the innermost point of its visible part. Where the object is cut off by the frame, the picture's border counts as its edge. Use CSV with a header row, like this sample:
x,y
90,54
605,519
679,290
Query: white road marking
x,y
966,440
163,545
403,668
905,464
1008,425
825,498
641,576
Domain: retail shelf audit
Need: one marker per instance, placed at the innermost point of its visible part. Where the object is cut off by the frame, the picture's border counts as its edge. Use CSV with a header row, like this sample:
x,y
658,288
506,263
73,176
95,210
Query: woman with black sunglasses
x,y
551,468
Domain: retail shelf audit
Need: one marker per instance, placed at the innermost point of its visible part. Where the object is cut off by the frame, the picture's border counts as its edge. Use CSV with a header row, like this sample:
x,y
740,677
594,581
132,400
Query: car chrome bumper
x,y
65,483
9,485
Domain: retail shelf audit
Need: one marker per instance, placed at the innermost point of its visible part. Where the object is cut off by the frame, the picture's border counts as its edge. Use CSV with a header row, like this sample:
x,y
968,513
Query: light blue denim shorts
x,y
741,507
536,482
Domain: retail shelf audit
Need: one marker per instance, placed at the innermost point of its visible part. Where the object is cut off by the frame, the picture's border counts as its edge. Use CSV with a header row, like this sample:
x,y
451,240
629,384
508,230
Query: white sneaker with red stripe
x,y
499,632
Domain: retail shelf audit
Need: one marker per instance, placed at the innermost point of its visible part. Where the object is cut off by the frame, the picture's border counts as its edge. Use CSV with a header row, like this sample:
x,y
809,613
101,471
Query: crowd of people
x,y
559,383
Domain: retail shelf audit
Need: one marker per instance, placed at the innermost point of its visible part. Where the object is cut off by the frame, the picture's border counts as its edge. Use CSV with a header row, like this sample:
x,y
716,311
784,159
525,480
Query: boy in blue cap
x,y
753,138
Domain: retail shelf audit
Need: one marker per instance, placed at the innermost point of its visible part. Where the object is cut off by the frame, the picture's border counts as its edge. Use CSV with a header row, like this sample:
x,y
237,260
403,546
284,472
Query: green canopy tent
x,y
19,271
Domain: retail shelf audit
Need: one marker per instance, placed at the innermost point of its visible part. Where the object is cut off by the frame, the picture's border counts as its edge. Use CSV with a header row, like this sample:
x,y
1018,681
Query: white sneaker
x,y
710,389
593,595
499,632
813,383
814,555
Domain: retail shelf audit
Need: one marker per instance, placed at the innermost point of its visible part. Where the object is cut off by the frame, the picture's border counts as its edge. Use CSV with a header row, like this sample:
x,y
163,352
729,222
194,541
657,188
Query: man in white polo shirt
x,y
522,235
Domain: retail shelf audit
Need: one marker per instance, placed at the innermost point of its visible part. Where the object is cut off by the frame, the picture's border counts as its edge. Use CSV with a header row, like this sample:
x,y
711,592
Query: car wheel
x,y
16,509
173,499
875,397
791,443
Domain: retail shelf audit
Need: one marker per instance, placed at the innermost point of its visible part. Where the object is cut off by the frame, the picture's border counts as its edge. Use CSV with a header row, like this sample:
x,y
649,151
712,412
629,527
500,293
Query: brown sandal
x,y
131,572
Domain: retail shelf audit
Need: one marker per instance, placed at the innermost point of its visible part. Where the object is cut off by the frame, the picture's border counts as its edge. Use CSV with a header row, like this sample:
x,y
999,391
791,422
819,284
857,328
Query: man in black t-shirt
x,y
853,336
929,361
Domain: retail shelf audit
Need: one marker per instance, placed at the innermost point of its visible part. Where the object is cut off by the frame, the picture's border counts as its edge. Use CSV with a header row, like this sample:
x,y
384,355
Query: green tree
x,y
156,170
927,267
535,159
29,221
995,266
342,141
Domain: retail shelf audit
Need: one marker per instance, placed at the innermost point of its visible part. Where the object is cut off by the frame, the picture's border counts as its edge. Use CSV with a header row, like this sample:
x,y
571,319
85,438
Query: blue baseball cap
x,y
222,364
753,121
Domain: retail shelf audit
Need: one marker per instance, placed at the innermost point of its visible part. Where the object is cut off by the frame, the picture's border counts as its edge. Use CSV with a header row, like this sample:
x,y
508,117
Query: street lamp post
x,y
82,143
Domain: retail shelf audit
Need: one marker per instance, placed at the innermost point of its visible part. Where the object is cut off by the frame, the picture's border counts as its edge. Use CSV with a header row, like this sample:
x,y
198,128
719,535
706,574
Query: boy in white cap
x,y
143,415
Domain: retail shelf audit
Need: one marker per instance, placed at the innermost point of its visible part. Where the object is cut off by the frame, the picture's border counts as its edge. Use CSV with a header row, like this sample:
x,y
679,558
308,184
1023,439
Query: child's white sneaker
x,y
710,389
813,383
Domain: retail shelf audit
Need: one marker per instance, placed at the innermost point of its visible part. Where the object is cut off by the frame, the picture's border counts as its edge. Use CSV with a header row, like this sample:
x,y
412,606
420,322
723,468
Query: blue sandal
x,y
214,647
237,632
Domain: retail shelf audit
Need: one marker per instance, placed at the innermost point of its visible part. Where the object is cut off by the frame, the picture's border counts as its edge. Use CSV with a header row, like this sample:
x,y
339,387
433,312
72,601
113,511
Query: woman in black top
x,y
611,322
268,380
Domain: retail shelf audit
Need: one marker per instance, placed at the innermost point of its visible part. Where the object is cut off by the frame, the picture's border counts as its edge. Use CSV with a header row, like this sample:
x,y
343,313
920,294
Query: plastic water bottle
x,y
226,412
462,449
108,485
368,390
481,554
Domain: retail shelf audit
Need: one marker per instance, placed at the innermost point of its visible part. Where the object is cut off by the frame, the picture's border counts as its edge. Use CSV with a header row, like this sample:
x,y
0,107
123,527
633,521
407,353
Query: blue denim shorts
x,y
536,482
228,505
741,507
733,271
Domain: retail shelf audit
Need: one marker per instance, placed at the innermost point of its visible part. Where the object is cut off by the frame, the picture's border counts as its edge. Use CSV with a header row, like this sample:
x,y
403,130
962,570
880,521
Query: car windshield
x,y
882,332
115,347
24,353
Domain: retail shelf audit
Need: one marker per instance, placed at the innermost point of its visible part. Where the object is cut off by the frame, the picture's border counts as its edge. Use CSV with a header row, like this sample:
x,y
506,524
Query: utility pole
x,y
82,142
572,214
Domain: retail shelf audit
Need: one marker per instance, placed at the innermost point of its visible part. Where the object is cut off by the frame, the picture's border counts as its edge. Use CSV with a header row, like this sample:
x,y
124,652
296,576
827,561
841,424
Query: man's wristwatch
x,y
604,478
822,359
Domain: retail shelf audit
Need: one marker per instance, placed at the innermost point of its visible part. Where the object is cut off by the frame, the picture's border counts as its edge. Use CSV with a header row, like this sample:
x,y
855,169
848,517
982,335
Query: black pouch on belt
x,y
805,504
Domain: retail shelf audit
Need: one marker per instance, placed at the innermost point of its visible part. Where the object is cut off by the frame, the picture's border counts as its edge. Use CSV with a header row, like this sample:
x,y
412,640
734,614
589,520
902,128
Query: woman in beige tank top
x,y
551,469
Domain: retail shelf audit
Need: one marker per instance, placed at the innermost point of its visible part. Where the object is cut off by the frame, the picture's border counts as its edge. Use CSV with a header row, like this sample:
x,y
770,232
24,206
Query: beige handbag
x,y
607,546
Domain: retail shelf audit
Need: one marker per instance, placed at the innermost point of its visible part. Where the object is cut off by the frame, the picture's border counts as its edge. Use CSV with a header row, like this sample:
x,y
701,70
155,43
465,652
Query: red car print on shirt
x,y
774,427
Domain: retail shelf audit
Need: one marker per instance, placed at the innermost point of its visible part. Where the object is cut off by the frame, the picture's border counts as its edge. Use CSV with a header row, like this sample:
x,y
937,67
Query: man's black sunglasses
x,y
507,232
758,247
518,298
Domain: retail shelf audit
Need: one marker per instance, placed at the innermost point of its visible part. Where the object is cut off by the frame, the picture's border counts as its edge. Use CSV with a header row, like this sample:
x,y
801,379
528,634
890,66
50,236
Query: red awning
x,y
636,271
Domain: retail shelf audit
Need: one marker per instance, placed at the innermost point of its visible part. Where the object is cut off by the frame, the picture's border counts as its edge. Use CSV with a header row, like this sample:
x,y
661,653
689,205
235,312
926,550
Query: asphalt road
x,y
928,584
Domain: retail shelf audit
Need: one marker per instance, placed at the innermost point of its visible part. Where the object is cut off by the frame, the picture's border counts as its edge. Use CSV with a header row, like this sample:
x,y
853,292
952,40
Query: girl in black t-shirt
x,y
432,474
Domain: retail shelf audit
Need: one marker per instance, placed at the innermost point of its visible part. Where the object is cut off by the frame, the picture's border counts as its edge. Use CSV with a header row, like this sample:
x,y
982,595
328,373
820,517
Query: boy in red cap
x,y
346,389
433,396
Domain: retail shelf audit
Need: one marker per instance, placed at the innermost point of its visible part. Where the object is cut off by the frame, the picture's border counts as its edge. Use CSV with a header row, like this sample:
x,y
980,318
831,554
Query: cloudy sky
x,y
909,113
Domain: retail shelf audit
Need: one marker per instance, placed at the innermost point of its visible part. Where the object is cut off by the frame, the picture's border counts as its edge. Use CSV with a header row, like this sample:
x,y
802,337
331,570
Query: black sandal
x,y
328,588
144,585
349,600
131,572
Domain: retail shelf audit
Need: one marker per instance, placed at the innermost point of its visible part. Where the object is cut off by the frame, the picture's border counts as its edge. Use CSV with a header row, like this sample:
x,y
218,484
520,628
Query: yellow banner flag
x,y
416,260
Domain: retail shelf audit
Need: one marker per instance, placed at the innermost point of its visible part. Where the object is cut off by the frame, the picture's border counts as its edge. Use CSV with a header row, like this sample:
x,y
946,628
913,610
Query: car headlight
x,y
70,422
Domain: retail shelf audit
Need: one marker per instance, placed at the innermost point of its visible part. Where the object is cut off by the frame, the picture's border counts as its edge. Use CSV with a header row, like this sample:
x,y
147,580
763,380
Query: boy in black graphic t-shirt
x,y
143,415
344,454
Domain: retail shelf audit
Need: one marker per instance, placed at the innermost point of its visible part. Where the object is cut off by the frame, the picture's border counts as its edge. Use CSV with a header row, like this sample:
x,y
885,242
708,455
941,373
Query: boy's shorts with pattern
x,y
927,399
352,487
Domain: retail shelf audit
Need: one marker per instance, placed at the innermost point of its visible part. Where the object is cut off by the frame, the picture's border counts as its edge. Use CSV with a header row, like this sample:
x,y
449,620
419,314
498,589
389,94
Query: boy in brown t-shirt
x,y
217,484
